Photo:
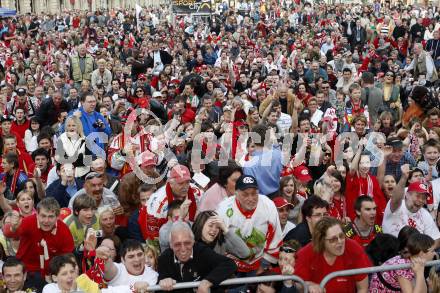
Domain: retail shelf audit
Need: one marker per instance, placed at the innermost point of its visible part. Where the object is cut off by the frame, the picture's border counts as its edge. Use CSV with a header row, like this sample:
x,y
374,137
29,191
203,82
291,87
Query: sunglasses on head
x,y
287,249
93,175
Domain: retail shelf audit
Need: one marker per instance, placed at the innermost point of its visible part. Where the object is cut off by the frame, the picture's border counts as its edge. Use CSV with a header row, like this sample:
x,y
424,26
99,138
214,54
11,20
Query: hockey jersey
x,y
260,229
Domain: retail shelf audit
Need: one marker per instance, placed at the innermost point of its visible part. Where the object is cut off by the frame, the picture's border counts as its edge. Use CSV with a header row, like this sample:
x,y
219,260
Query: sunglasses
x,y
140,91
335,239
93,175
287,249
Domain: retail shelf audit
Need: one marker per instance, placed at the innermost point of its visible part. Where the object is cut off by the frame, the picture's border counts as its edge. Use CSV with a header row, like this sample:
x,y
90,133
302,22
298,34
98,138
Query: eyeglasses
x,y
320,215
92,175
333,240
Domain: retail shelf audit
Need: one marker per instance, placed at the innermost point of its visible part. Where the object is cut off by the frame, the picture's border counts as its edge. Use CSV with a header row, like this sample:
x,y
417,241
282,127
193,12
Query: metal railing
x,y
371,270
239,281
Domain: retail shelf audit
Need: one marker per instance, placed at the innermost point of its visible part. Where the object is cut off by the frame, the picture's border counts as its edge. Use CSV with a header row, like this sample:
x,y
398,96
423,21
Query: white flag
x,y
138,12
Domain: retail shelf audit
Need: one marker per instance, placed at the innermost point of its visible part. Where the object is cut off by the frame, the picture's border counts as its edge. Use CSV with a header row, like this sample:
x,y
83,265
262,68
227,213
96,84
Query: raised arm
x,y
110,269
355,162
399,190
387,150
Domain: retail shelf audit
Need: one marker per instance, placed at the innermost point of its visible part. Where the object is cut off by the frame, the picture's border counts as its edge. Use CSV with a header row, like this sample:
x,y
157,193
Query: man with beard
x,y
362,229
406,208
94,187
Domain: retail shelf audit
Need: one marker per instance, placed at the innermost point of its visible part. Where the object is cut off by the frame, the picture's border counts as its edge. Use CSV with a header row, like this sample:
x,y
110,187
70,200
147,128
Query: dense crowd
x,y
273,137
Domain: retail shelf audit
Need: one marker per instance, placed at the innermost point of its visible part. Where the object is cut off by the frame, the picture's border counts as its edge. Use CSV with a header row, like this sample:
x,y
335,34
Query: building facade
x,y
55,6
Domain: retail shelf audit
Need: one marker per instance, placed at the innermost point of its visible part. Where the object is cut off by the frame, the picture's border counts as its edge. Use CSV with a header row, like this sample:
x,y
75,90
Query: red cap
x,y
180,173
281,202
147,159
302,174
142,76
418,187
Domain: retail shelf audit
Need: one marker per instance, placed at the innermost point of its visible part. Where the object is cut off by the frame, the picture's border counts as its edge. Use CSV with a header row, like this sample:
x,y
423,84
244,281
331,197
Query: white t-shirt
x,y
53,288
289,226
124,278
421,220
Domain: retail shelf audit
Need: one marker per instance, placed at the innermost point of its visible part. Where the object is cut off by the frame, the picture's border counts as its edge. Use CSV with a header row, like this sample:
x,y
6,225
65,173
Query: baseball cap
x,y
6,118
302,174
180,173
281,202
147,159
418,187
142,76
246,181
157,94
395,142
21,91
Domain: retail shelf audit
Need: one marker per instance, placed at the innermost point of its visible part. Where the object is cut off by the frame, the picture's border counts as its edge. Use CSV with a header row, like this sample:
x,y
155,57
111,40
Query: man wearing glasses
x,y
313,210
330,251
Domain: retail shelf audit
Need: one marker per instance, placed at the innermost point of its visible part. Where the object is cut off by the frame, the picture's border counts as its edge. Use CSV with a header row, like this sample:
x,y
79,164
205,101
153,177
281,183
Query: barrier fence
x,y
264,279
371,270
239,281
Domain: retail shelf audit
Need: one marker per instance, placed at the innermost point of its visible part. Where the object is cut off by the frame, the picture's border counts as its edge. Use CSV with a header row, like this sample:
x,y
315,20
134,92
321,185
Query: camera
x,y
98,233
98,124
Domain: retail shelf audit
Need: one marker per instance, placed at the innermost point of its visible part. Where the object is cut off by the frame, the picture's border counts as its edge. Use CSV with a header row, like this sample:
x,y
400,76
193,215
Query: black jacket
x,y
204,265
165,57
48,113
301,233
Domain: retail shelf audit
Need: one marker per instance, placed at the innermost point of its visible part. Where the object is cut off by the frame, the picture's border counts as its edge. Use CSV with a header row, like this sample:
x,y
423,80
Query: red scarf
x,y
191,197
14,180
149,232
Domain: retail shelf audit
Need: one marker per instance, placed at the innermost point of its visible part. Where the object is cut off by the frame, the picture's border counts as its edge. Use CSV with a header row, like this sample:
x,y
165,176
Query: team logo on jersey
x,y
248,180
229,212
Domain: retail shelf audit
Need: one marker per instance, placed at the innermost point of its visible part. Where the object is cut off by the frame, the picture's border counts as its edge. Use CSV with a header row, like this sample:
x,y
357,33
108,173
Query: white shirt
x,y
125,278
289,226
284,123
53,288
421,220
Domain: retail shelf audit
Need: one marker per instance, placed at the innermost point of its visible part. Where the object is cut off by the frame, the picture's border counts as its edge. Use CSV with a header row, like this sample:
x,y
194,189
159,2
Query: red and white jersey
x,y
157,208
260,229
142,139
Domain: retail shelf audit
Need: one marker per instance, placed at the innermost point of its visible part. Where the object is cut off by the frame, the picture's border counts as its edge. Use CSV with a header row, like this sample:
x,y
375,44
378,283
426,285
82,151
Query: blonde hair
x,y
434,280
79,128
154,251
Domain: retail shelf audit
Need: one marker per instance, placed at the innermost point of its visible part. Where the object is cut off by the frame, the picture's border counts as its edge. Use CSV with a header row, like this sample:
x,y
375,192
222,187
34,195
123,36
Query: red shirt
x,y
312,266
59,241
356,186
25,163
20,129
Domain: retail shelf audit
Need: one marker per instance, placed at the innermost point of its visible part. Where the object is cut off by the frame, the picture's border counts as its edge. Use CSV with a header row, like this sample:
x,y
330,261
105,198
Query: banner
x,y
191,6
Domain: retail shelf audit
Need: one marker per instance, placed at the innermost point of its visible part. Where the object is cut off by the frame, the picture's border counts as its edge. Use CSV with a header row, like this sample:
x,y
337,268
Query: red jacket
x,y
59,241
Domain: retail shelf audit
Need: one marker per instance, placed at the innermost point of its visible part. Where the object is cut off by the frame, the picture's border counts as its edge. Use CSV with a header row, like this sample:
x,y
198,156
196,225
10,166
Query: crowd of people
x,y
273,137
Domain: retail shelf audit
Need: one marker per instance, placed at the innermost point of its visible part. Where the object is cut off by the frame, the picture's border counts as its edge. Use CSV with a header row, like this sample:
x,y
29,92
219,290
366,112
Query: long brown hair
x,y
283,182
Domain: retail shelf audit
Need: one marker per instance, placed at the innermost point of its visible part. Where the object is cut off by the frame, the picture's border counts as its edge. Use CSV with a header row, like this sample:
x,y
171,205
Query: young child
x,y
354,107
173,215
151,256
